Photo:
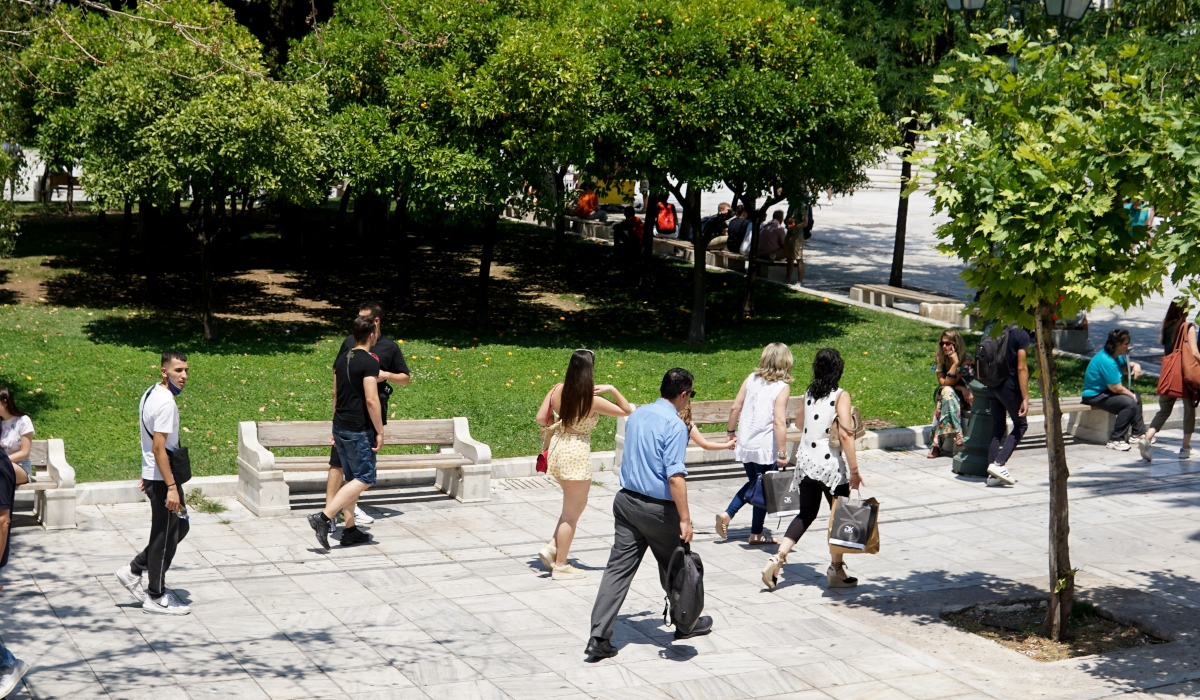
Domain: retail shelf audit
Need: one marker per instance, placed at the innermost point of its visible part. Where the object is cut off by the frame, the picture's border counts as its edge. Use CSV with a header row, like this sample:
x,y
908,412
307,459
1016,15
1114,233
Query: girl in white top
x,y
760,414
16,435
825,470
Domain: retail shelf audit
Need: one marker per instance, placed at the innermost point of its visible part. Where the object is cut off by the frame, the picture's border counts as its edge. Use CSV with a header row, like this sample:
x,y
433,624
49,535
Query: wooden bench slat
x,y
38,453
315,464
709,412
437,431
906,294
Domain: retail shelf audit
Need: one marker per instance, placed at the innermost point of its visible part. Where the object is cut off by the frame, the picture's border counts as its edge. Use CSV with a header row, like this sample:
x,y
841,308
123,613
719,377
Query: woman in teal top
x,y
1102,389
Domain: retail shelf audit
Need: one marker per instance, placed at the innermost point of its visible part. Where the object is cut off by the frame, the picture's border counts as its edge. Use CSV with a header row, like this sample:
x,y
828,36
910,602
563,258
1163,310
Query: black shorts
x,y
335,461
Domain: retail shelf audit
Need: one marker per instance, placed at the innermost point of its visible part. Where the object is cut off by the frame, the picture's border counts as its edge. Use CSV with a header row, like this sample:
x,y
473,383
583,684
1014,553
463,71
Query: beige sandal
x,y
722,527
837,582
770,572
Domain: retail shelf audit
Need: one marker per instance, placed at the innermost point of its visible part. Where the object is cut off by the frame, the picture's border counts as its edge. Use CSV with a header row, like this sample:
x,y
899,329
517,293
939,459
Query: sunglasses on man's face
x,y
691,394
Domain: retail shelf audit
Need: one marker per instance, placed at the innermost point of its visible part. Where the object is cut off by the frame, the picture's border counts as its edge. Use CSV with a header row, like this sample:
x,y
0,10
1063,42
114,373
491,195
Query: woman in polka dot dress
x,y
826,471
573,408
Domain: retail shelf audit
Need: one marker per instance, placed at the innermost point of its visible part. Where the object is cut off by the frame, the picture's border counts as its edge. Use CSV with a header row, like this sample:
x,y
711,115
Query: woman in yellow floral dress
x,y
572,409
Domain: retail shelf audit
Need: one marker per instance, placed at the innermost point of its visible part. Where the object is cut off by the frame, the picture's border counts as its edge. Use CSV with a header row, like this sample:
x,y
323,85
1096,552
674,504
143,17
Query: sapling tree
x,y
1034,170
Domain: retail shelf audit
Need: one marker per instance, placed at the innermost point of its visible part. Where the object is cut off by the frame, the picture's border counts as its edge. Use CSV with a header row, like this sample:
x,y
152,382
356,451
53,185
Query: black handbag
x,y
181,464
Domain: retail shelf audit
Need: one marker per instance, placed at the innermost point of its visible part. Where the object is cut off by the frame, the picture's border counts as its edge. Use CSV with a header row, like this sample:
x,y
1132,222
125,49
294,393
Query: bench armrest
x,y
468,447
61,473
250,450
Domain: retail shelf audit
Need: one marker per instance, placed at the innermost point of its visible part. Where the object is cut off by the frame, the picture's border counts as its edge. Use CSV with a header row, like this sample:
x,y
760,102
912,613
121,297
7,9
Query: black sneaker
x,y
598,648
353,536
320,526
702,627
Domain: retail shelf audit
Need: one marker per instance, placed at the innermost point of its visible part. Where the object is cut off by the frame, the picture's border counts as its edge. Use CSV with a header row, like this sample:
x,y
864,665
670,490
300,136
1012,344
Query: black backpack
x,y
685,588
991,359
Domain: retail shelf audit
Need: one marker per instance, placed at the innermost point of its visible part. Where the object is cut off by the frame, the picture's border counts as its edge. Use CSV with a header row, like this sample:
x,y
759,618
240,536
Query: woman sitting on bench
x,y
16,435
1102,388
952,398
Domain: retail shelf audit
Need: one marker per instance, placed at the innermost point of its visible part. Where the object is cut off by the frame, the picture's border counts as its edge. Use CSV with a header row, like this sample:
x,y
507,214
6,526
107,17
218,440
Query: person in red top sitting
x,y
588,206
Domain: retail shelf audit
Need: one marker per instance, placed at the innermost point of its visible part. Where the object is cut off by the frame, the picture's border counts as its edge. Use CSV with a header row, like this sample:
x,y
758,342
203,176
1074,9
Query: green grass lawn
x,y
80,369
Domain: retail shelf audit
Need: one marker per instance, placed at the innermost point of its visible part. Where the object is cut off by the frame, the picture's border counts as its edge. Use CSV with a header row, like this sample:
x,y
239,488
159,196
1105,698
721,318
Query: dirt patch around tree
x,y
1016,625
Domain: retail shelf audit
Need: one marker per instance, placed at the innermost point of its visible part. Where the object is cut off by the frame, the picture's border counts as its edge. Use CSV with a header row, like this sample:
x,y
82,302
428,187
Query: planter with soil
x,y
1016,624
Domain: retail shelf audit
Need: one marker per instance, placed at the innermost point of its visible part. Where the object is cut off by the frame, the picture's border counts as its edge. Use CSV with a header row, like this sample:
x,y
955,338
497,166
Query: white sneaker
x,y
361,518
1144,449
993,481
132,583
12,677
168,604
1119,445
1185,453
1001,472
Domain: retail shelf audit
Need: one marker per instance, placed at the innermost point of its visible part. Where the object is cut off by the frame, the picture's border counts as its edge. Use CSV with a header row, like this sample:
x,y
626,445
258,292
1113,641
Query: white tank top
x,y
756,425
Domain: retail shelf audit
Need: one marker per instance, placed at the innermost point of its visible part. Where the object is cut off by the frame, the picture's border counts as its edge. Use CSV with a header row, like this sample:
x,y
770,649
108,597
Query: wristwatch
x,y
782,454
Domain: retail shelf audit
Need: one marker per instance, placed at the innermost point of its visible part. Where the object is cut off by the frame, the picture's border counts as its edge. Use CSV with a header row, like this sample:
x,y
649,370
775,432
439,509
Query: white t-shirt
x,y
11,431
160,415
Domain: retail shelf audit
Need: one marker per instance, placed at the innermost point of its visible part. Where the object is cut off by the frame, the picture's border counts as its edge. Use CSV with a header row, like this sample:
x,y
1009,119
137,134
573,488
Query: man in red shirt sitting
x,y
588,206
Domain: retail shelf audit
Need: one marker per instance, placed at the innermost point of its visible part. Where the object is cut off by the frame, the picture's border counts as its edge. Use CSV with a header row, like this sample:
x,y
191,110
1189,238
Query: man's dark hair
x,y
362,329
1116,337
172,355
629,212
587,187
374,307
675,382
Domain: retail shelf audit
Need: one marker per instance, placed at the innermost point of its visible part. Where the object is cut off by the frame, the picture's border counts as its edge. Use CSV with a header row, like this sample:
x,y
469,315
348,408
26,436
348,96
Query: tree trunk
x,y
560,206
400,241
207,231
482,319
70,192
1062,576
691,212
102,221
751,264
897,277
126,229
343,205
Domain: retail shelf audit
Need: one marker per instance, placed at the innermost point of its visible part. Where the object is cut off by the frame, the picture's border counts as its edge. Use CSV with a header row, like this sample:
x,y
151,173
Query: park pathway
x,y
451,603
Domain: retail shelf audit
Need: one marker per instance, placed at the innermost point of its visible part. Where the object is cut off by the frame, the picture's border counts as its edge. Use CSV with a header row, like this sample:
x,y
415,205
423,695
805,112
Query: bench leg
x,y
1092,426
265,494
470,483
56,508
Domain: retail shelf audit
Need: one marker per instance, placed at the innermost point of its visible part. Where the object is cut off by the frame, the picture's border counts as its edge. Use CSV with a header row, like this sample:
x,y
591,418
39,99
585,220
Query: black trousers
x,y
1005,399
811,492
1127,409
641,522
166,532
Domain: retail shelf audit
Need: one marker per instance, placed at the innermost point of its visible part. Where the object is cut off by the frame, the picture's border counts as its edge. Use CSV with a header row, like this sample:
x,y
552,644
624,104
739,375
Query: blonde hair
x,y
960,349
775,365
685,415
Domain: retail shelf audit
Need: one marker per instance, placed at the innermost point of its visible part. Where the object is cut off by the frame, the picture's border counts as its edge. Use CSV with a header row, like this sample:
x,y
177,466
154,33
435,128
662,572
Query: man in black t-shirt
x,y
357,430
11,668
392,368
1011,398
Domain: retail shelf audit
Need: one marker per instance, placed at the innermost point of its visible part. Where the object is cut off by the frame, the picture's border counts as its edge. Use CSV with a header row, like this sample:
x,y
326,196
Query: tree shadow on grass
x,y
184,332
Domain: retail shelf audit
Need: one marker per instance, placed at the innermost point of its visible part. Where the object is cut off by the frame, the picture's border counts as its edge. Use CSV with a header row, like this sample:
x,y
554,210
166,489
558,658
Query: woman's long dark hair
x,y
827,372
1176,314
578,388
10,405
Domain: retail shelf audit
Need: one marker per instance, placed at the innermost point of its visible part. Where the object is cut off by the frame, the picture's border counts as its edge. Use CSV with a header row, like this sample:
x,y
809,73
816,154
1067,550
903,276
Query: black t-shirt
x,y
738,229
391,359
8,491
350,369
1018,339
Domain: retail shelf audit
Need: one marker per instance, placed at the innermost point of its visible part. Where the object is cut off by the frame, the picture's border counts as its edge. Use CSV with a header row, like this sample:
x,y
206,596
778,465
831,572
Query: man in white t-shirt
x,y
159,418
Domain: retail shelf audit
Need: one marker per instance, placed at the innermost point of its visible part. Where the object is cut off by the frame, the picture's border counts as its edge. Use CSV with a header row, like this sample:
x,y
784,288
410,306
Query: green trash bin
x,y
972,458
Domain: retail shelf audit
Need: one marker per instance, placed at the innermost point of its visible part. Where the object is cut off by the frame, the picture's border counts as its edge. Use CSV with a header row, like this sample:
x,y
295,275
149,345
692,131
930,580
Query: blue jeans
x,y
753,471
7,660
354,449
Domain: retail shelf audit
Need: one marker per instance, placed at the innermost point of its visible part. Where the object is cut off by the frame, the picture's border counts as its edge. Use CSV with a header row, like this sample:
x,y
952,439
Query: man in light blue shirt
x,y
651,509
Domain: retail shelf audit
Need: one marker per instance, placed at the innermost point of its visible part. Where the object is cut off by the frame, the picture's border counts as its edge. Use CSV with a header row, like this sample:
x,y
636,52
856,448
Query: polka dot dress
x,y
816,459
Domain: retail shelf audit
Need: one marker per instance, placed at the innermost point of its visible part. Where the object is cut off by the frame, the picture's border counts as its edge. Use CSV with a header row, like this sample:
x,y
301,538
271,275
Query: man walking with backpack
x,y
651,510
1000,363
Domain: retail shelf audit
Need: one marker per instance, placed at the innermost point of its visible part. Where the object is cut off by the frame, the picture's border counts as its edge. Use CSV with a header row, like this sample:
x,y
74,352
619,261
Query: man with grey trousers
x,y
651,510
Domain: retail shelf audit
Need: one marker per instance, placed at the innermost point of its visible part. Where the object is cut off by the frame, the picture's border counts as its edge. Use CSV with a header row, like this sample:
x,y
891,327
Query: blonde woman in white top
x,y
825,471
759,414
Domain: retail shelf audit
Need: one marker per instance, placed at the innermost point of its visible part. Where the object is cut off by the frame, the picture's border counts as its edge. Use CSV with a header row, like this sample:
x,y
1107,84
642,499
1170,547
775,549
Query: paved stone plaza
x,y
452,603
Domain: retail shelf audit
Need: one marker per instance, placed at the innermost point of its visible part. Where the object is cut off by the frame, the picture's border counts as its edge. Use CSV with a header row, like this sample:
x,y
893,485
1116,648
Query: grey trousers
x,y
640,522
1166,404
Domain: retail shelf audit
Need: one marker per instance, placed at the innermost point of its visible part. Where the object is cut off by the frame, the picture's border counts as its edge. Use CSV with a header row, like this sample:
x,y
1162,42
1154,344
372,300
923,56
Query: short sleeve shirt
x,y
351,369
1018,339
588,203
11,431
8,491
1102,370
158,414
391,359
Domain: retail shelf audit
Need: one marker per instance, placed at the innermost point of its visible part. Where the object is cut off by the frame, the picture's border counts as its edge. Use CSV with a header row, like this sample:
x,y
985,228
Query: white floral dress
x,y
816,459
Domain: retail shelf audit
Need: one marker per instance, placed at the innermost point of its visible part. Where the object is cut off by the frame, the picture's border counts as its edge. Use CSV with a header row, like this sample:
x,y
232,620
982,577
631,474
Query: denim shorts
x,y
354,449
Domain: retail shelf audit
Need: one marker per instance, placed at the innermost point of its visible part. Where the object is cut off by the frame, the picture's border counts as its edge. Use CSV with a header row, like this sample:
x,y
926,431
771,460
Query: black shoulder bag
x,y
181,464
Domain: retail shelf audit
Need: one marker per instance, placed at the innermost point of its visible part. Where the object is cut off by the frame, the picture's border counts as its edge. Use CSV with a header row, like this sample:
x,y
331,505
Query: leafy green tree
x,y
756,94
1033,170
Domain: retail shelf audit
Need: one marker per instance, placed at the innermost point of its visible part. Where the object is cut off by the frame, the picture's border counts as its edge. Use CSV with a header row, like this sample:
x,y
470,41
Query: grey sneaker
x,y
1144,448
10,678
132,583
1118,445
1000,472
993,481
168,604
1185,453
